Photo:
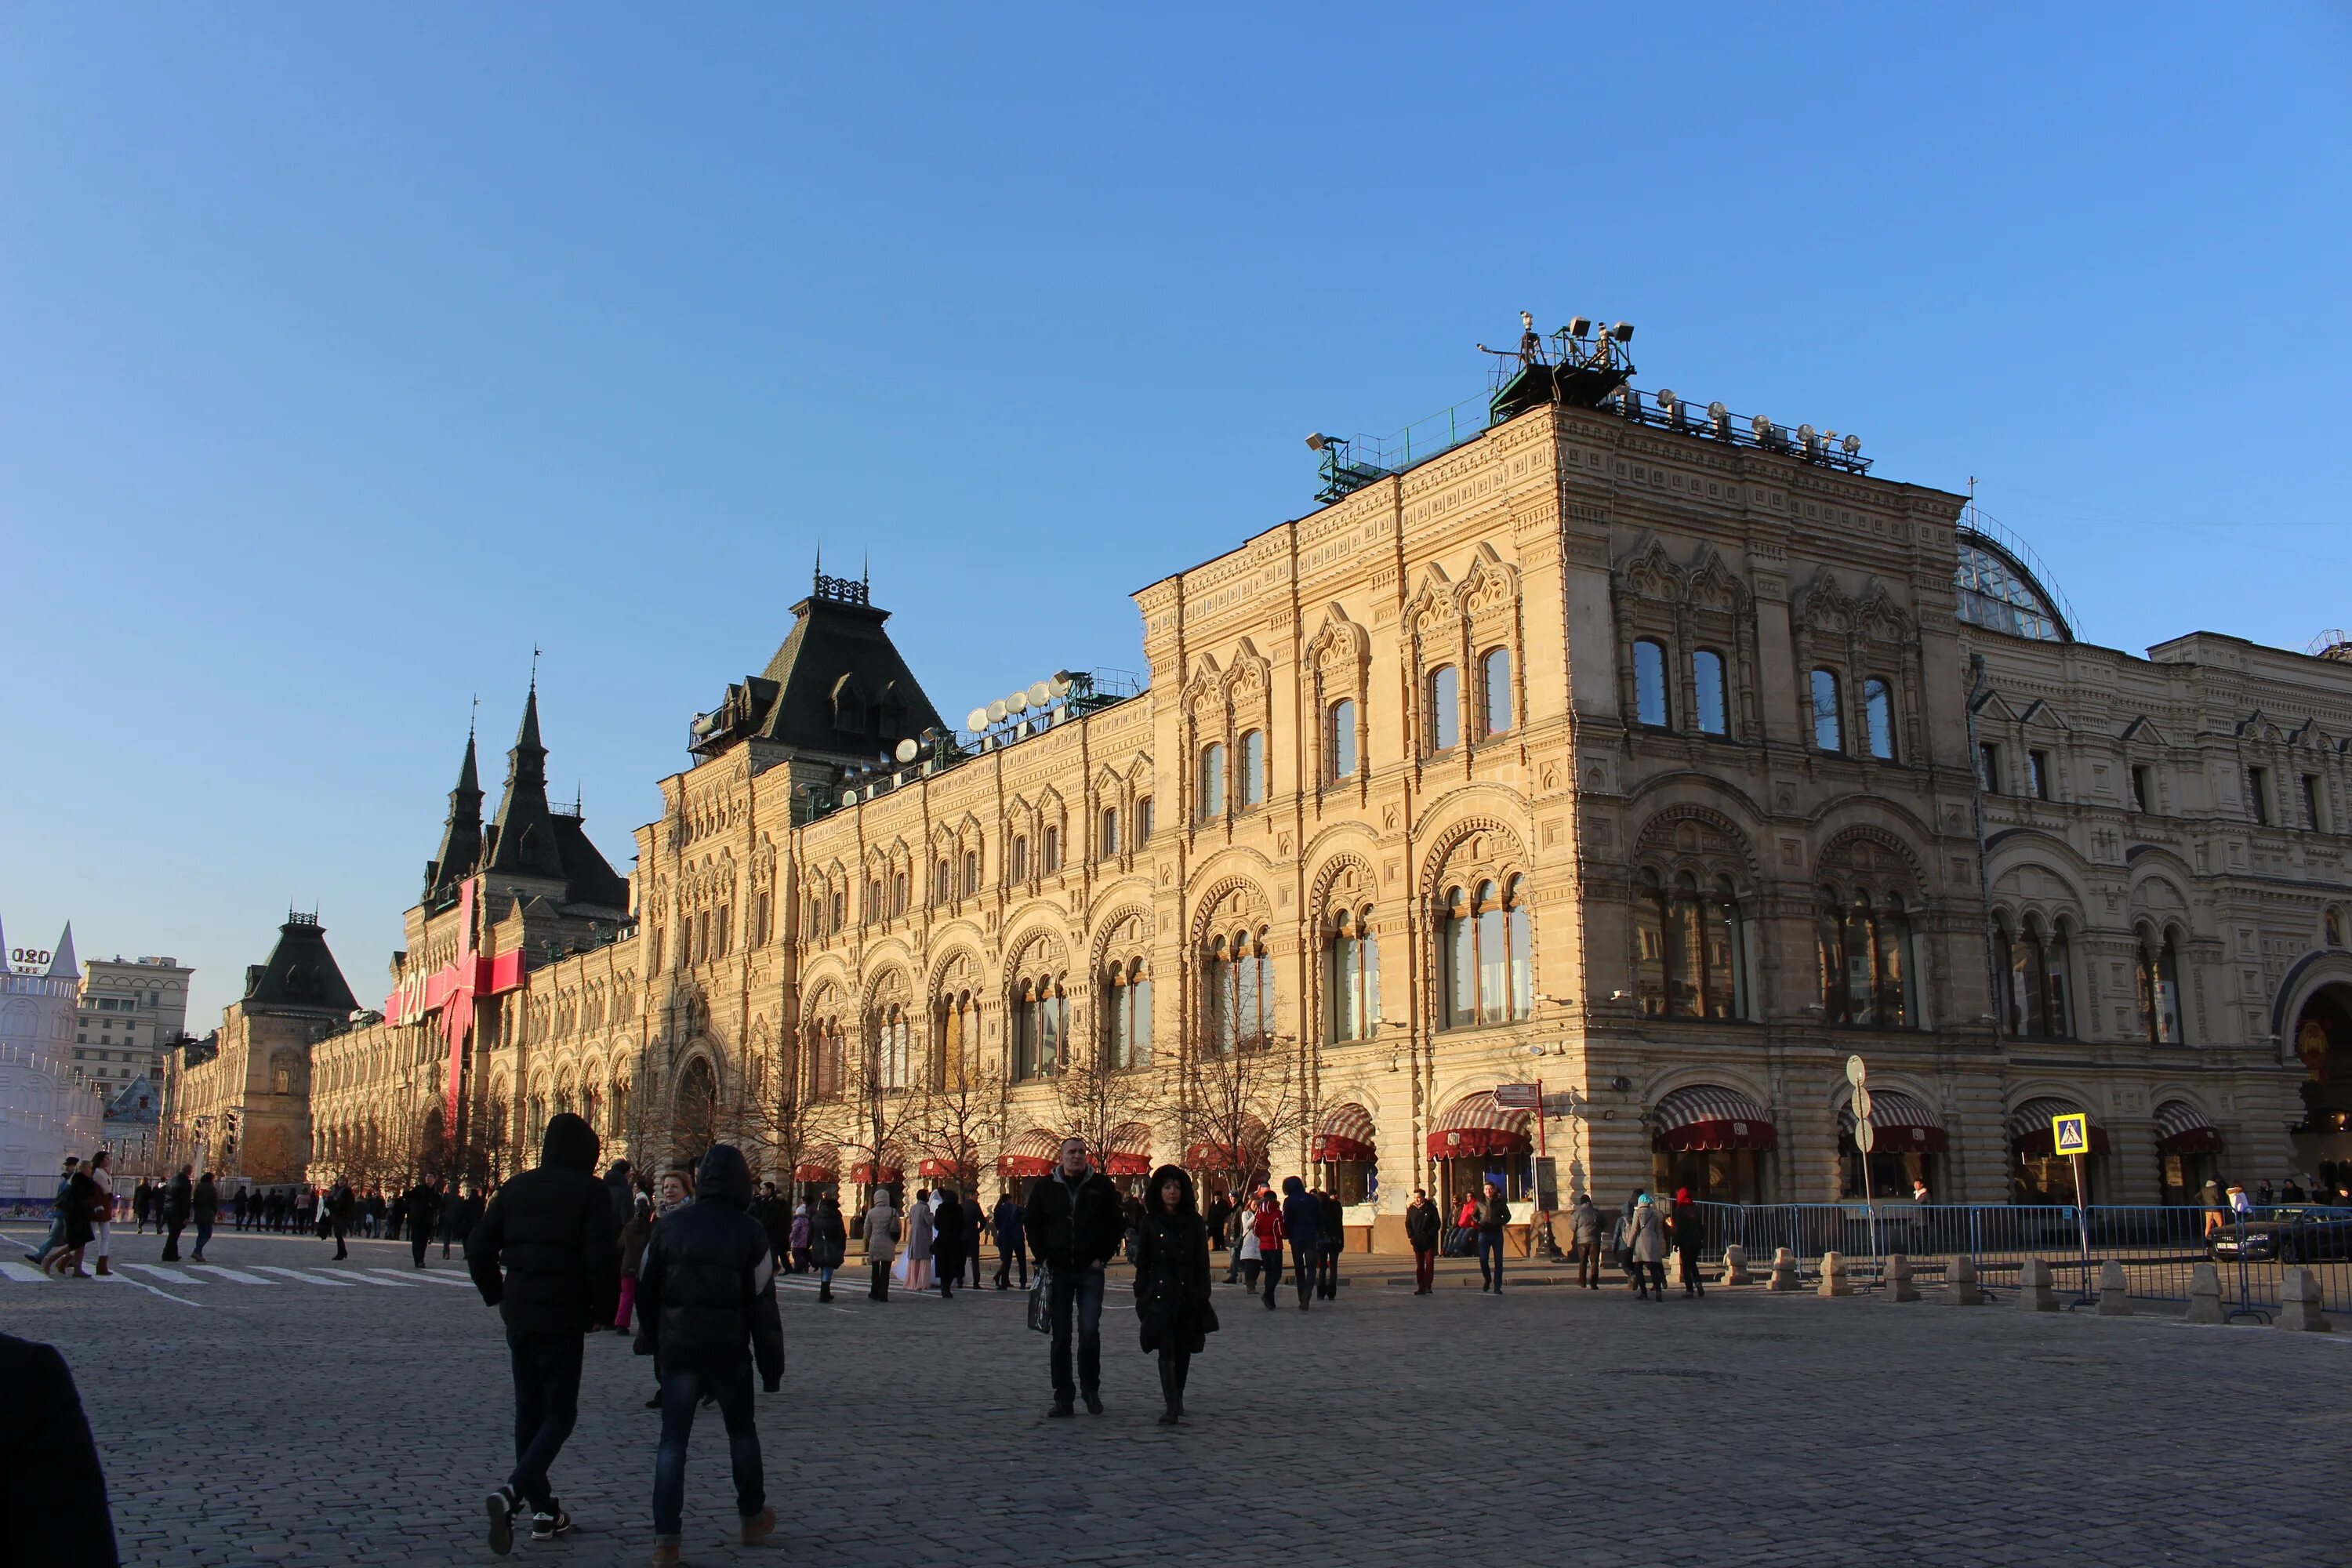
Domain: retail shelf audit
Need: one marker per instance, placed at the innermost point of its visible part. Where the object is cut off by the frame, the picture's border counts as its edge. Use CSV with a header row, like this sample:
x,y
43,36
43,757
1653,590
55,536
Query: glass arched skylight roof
x,y
1996,591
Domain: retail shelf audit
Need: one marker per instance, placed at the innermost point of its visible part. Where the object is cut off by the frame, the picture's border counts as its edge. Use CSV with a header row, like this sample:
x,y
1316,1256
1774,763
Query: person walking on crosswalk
x,y
179,1202
424,1208
340,1204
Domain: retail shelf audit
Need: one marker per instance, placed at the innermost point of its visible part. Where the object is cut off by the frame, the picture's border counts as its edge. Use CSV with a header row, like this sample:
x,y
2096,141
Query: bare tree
x,y
1241,1103
959,1117
784,1117
881,1113
488,1157
1097,1099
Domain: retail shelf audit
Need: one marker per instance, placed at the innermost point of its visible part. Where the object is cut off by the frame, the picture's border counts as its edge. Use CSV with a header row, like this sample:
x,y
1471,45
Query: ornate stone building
x,y
1667,760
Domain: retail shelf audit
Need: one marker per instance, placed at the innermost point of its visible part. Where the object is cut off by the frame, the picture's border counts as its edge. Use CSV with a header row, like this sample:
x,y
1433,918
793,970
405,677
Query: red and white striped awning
x,y
2029,1132
2181,1128
1033,1154
1346,1132
1129,1153
1902,1122
817,1164
1475,1126
1708,1116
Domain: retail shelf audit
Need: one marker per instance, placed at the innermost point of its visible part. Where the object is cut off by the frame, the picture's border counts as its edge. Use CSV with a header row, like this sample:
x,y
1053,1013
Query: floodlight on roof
x,y
1851,445
1580,326
1623,331
1318,441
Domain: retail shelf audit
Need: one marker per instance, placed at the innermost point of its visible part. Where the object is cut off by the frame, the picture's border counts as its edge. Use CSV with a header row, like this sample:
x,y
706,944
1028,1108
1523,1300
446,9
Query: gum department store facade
x,y
1665,768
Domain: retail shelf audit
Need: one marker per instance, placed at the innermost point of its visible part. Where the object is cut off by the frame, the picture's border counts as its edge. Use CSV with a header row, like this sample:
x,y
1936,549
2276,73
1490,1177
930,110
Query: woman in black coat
x,y
828,1242
1172,1283
948,1240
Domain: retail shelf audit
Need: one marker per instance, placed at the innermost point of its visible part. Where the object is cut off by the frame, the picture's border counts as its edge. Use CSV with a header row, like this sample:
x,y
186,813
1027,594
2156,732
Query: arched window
x,y
1878,713
1691,959
2331,927
898,892
894,1046
970,872
1352,977
1212,781
1869,972
1828,727
2159,987
1040,1010
1239,974
1106,835
1016,861
1650,706
1706,686
1341,746
1127,1015
2034,964
1487,949
1494,688
1253,781
829,1063
1445,687
1052,851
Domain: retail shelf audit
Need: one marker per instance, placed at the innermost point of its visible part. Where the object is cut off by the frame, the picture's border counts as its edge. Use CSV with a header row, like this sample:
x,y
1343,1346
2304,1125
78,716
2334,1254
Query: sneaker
x,y
548,1526
757,1528
503,1505
665,1553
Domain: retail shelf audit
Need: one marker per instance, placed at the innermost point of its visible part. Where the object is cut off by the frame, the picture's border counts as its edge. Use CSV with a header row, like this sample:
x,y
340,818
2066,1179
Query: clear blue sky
x,y
351,351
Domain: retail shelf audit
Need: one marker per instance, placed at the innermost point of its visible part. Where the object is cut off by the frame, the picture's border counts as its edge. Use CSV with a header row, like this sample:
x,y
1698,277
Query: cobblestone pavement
x,y
299,1420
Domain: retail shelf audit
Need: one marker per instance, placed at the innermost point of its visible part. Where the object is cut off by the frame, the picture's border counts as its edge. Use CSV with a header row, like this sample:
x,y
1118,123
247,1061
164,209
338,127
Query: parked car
x,y
2289,1235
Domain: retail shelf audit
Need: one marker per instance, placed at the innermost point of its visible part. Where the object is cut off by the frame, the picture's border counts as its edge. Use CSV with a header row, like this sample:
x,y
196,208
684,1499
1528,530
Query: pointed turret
x,y
523,838
62,965
461,832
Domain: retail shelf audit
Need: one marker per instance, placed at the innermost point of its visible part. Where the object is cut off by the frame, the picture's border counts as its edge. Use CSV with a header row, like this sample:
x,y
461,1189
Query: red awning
x,y
1476,1127
2181,1128
813,1173
818,1164
1708,1116
1346,1132
940,1170
1901,1123
2030,1133
1124,1164
863,1174
1022,1165
1129,1153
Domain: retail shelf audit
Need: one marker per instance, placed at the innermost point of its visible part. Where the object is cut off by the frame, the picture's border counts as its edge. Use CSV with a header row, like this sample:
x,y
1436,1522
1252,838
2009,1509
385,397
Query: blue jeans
x,y
1272,1263
546,1405
204,1234
681,1388
1490,1243
1082,1290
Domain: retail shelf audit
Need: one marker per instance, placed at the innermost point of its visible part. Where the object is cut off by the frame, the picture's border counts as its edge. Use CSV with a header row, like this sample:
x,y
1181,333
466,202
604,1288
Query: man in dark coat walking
x,y
1006,1223
1302,1222
1331,1239
707,1299
340,1205
775,1217
179,1201
546,1255
947,1242
423,1209
1073,1222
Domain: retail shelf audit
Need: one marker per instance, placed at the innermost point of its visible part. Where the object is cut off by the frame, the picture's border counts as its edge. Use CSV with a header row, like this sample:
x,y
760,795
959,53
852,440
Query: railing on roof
x,y
1352,462
2008,541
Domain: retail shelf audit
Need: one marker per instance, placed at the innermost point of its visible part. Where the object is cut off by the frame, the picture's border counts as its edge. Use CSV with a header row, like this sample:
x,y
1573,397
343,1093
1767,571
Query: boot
x,y
825,1292
103,1268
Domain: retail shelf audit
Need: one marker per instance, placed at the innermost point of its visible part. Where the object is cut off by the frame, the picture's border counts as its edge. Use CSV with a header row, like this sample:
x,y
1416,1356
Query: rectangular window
x,y
1212,781
1253,769
1828,727
1878,713
1110,833
1444,708
1988,768
1142,819
2258,794
2037,773
1052,850
2315,803
1650,706
1018,862
1707,682
1342,741
2140,792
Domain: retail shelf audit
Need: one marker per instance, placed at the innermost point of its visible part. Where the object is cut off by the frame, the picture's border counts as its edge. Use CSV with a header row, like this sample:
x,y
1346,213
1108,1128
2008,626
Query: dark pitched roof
x,y
461,831
522,836
301,975
840,685
589,876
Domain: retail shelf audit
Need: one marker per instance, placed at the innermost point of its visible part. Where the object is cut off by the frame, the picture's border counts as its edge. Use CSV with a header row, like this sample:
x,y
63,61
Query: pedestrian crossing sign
x,y
2071,1133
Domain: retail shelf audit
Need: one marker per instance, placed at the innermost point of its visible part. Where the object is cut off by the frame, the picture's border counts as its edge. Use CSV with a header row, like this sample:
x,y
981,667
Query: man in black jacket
x,y
706,1306
1074,1224
179,1200
552,1227
51,1463
423,1210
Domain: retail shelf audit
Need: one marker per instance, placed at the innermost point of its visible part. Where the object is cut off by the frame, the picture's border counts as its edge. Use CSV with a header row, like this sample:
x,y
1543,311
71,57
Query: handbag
x,y
1040,1319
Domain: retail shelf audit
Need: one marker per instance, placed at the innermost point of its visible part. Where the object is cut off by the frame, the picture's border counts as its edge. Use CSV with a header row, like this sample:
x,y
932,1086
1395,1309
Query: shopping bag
x,y
1040,1319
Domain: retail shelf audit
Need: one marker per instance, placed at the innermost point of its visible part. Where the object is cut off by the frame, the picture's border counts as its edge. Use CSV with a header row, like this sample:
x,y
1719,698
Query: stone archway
x,y
2321,1038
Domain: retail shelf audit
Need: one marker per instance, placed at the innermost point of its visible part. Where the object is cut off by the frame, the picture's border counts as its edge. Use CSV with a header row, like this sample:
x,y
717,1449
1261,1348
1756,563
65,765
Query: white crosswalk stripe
x,y
235,1276
168,1276
24,1272
434,1276
305,1278
367,1278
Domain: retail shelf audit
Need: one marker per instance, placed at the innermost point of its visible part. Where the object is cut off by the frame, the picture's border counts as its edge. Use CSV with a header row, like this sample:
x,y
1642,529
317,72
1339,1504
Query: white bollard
x,y
2114,1291
2205,1295
1961,1287
1833,1280
2299,1303
1898,1279
2033,1288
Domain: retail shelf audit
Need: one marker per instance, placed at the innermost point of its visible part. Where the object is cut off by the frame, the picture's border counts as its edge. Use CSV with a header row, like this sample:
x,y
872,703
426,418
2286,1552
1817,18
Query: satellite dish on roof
x,y
1060,682
996,711
1017,703
977,719
907,751
1040,694
849,798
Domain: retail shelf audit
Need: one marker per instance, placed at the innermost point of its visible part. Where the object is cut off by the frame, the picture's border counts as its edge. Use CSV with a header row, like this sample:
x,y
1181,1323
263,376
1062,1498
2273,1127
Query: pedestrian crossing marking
x,y
366,1280
168,1276
305,1278
24,1272
438,1277
235,1276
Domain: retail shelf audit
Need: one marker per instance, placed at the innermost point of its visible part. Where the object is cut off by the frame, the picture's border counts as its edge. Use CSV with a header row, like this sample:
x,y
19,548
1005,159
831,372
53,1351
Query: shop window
x,y
2140,792
970,872
2035,963
1494,686
2315,803
1142,819
1106,834
2158,977
1706,685
1988,768
1016,859
1650,706
1878,713
2258,796
1050,850
1829,728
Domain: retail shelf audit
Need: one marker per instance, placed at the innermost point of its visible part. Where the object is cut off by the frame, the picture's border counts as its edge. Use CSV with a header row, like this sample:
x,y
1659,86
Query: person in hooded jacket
x,y
1685,1222
205,1210
797,1241
624,1194
1584,1234
707,1290
881,1228
1302,1222
1332,1240
1645,1238
1172,1283
828,1243
775,1217
546,1255
947,1242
